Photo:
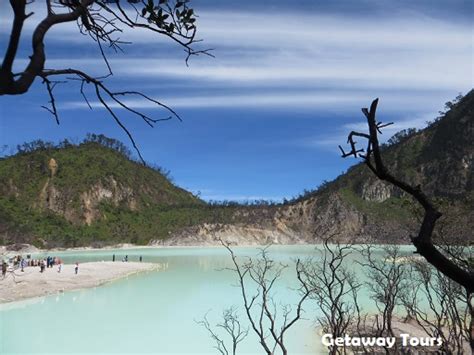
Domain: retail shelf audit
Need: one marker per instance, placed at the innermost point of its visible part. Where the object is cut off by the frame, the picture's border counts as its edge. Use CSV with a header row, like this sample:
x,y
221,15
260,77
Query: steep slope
x,y
91,194
85,194
357,206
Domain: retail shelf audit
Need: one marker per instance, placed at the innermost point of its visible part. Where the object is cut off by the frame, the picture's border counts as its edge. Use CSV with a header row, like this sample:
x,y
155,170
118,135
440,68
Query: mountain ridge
x,y
95,194
356,206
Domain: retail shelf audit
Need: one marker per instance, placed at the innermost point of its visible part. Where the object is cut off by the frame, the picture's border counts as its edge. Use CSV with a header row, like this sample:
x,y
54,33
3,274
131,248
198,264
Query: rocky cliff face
x,y
306,222
79,207
112,192
359,207
88,194
376,191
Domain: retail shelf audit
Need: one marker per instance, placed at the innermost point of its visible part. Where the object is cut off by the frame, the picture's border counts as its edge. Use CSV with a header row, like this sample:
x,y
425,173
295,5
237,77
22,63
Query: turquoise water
x,y
153,312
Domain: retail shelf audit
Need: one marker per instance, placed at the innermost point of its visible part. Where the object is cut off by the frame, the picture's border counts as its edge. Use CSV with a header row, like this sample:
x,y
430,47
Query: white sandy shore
x,y
32,283
29,249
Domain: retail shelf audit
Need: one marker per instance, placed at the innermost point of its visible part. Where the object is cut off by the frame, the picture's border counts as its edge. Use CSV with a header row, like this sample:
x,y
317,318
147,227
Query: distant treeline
x,y
40,145
262,202
404,134
91,138
116,145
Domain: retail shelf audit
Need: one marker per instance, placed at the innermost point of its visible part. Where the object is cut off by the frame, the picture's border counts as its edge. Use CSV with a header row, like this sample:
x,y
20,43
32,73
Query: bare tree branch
x,y
100,89
102,21
231,326
334,288
446,312
423,241
260,307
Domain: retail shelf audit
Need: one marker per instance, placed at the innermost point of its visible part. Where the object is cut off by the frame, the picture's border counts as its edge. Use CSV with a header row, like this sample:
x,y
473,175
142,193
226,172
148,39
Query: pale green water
x,y
154,312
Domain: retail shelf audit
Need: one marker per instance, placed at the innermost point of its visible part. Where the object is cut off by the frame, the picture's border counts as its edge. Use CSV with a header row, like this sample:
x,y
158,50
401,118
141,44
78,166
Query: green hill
x,y
439,159
88,194
357,206
93,194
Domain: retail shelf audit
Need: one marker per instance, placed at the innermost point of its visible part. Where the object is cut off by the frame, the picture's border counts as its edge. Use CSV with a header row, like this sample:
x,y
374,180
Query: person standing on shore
x,y
113,257
60,266
141,258
76,269
4,269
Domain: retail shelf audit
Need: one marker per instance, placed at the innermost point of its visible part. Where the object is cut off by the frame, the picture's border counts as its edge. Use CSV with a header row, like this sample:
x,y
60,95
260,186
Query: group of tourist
x,y
125,258
19,262
47,263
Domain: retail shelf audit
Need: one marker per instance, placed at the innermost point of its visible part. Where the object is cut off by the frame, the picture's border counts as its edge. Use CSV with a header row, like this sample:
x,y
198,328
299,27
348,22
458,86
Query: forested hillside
x,y
93,193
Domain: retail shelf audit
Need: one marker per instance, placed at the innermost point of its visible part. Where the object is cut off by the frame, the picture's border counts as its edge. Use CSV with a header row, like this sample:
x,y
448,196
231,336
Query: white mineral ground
x,y
32,283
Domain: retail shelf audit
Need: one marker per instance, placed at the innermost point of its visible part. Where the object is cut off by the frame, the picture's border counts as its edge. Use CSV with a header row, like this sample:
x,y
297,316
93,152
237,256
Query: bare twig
x,y
231,325
102,21
423,241
260,307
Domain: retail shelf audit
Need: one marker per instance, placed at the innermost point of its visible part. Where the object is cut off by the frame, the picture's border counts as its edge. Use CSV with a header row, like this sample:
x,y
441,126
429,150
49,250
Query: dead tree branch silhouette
x,y
102,21
423,241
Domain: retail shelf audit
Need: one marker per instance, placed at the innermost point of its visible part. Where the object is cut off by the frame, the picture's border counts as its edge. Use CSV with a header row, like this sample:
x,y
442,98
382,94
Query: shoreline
x,y
30,249
31,283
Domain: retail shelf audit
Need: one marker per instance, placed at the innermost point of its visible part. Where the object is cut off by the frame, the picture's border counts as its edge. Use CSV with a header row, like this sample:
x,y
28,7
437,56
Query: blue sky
x,y
263,119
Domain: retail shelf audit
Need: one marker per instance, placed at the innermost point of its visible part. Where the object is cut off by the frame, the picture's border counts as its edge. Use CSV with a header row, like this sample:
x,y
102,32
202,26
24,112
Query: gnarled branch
x,y
260,307
423,241
100,90
102,21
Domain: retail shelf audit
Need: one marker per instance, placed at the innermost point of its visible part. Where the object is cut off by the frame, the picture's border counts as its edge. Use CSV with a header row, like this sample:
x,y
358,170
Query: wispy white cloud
x,y
294,49
291,99
292,30
357,59
419,72
339,137
288,99
399,124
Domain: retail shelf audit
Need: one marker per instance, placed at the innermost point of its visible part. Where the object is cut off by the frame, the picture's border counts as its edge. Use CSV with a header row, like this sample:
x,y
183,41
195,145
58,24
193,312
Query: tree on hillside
x,y
103,21
401,136
462,273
